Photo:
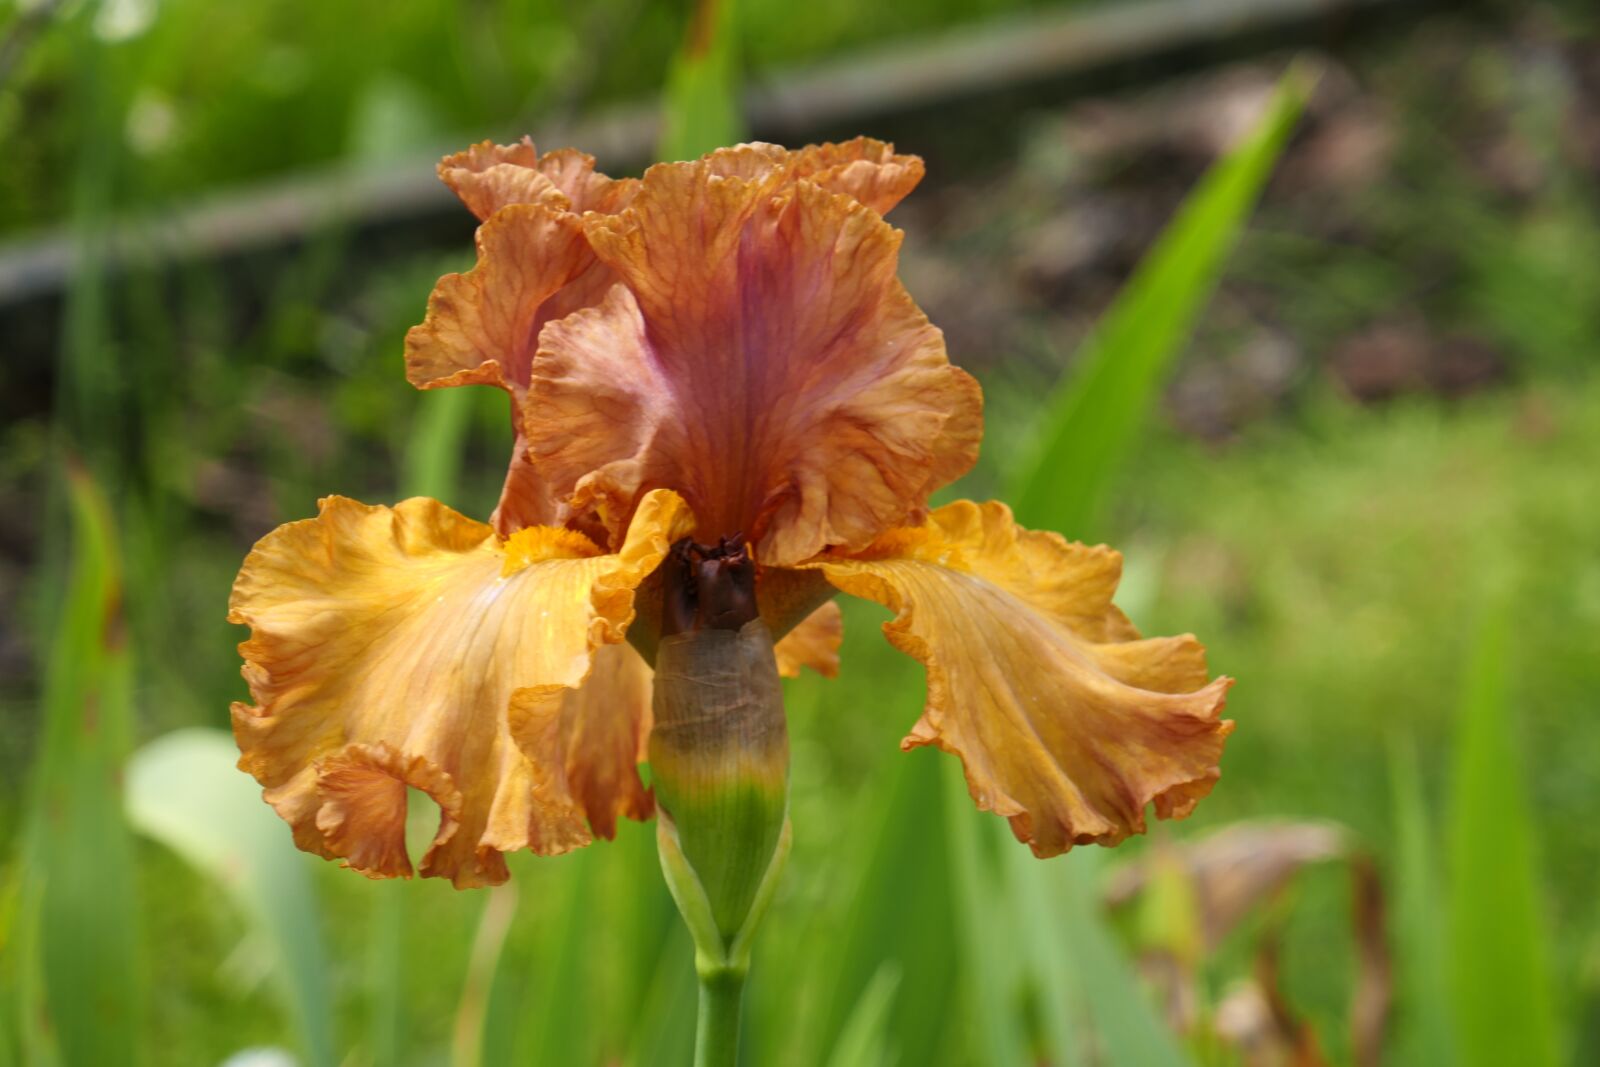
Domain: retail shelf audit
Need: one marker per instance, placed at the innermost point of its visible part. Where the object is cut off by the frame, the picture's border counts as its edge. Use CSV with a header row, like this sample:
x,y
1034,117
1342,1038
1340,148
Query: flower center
x,y
708,587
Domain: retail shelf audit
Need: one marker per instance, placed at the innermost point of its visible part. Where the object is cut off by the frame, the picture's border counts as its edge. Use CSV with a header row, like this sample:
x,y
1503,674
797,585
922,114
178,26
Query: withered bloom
x,y
721,350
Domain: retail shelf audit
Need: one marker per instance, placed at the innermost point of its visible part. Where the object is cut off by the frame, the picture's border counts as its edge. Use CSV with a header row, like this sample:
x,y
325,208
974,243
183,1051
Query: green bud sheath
x,y
719,755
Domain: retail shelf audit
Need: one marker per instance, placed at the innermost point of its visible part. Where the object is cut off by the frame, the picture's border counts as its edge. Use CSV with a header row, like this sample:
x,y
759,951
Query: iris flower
x,y
720,351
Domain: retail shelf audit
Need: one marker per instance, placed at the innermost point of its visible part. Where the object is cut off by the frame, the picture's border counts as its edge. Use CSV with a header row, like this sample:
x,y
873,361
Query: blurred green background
x,y
1343,421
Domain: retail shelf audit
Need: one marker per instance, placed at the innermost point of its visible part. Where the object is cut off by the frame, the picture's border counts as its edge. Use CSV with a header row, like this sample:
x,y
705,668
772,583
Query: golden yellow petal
x,y
762,359
385,648
1066,722
589,741
814,643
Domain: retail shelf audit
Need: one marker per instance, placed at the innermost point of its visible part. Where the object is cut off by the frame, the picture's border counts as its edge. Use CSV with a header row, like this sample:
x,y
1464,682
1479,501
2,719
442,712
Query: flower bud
x,y
719,747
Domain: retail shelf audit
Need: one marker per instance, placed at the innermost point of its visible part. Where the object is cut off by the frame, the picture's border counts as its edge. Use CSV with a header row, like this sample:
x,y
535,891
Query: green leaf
x,y
864,1042
185,791
1080,971
1096,414
905,891
702,95
432,462
1505,1010
556,997
483,965
992,972
1423,1025
663,1033
1121,1014
78,870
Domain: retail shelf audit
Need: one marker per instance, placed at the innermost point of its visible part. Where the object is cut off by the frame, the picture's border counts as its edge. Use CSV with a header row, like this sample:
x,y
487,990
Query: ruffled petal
x,y
592,739
1066,722
864,169
488,177
761,358
385,648
482,328
814,643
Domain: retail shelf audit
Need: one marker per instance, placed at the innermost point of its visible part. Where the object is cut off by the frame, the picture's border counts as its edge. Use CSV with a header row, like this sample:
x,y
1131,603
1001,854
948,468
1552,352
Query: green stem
x,y
716,1039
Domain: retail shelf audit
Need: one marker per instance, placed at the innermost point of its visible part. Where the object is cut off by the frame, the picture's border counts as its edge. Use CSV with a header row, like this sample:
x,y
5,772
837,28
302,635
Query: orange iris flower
x,y
722,347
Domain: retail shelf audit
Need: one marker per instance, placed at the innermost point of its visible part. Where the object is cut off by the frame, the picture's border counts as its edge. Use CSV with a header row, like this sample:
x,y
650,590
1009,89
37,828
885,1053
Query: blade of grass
x,y
431,464
1127,1024
1090,425
467,1044
993,973
1095,415
80,855
663,1034
1423,1030
1505,1009
184,790
556,999
864,1042
904,892
702,100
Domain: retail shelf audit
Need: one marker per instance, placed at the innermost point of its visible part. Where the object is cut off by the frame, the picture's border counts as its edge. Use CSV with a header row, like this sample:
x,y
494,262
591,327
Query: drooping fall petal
x,y
385,648
1066,721
591,739
762,358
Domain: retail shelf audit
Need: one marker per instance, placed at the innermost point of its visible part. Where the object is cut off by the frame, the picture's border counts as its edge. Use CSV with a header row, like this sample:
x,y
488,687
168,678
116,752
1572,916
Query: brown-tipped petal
x,y
762,359
488,177
814,643
585,188
867,170
590,741
363,815
385,647
1066,722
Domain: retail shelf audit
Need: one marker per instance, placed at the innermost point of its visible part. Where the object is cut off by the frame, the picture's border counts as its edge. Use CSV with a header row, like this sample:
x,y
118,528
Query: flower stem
x,y
716,1039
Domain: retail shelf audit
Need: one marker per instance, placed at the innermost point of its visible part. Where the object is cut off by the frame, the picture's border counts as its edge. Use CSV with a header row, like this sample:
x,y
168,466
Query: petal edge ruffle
x,y
386,645
1066,722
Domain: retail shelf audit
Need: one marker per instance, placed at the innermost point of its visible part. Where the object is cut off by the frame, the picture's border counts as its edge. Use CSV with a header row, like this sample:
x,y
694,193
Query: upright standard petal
x,y
1066,721
760,357
864,169
482,327
488,177
385,647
